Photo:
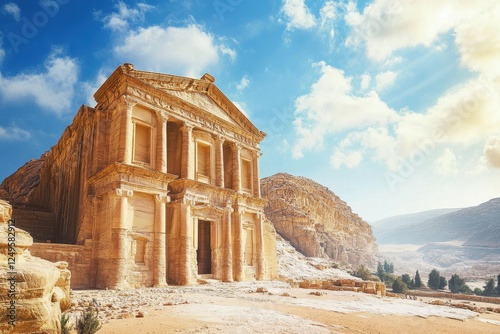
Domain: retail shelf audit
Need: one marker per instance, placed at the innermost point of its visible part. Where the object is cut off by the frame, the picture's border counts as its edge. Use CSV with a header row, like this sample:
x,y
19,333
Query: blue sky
x,y
393,105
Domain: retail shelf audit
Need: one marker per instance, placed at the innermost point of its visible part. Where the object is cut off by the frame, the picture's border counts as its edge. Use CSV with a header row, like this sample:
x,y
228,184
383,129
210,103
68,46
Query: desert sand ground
x,y
238,308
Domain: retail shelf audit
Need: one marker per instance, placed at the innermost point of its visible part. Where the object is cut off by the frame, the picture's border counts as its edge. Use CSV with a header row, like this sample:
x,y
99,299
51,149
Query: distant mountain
x,y
411,218
475,226
465,241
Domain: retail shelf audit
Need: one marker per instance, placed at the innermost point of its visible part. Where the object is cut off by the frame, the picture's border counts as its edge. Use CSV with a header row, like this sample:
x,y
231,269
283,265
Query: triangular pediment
x,y
200,93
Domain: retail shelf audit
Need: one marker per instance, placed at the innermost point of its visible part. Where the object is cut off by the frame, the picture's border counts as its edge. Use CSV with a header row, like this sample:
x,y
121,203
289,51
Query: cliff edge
x,y
316,221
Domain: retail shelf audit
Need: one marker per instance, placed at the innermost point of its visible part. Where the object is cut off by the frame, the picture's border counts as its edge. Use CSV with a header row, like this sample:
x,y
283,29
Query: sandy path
x,y
237,308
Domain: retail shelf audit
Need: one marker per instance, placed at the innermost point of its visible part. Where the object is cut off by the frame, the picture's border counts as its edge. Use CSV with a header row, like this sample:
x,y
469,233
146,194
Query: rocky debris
x,y
33,290
114,304
465,306
316,221
294,266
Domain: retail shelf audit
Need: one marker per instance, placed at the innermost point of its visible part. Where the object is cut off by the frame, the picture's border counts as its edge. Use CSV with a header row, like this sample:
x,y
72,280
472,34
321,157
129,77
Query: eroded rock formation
x,y
33,291
316,221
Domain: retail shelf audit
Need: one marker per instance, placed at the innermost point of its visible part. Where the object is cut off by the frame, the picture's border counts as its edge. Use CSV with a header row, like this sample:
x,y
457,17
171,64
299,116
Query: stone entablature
x,y
161,181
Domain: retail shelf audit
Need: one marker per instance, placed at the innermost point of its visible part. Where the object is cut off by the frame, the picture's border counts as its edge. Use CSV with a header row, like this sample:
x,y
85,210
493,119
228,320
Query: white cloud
x,y
13,132
2,51
350,160
225,50
385,26
243,83
53,89
242,107
375,142
492,151
12,9
331,107
479,42
120,20
297,15
385,80
465,115
328,13
446,164
365,128
90,87
365,81
186,50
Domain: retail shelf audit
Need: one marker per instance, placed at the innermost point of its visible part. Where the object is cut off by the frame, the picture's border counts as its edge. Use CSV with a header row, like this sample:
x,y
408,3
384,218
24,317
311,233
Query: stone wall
x,y
448,295
316,221
78,258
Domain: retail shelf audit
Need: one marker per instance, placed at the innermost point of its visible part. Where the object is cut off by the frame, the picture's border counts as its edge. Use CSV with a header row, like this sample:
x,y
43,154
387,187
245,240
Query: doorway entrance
x,y
204,252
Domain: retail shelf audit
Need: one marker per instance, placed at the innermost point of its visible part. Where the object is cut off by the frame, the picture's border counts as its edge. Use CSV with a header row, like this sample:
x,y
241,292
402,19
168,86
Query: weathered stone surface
x,y
33,291
159,183
18,187
316,221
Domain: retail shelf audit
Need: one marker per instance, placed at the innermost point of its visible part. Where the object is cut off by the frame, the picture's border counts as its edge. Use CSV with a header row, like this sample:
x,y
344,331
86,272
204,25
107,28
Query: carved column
x,y
219,162
238,256
119,240
186,244
237,167
187,155
96,201
161,145
227,266
126,141
255,174
159,242
260,246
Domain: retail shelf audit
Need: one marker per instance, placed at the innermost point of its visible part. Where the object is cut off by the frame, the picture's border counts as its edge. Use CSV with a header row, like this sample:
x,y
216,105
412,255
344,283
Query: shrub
x,y
88,322
399,286
363,273
489,288
65,326
478,291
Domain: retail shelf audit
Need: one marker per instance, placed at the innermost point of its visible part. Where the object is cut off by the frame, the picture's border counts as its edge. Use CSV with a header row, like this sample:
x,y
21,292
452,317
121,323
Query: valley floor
x,y
238,308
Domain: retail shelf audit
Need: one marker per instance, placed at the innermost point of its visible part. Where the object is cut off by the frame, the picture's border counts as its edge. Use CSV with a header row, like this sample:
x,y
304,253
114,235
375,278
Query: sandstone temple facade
x,y
158,184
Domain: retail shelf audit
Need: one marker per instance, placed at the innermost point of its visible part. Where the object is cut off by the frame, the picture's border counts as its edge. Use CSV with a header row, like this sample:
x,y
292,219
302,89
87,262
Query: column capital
x,y
162,198
187,126
124,192
124,100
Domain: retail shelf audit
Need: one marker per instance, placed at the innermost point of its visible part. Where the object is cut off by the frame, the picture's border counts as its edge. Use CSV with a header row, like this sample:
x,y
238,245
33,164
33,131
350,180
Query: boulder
x,y
33,291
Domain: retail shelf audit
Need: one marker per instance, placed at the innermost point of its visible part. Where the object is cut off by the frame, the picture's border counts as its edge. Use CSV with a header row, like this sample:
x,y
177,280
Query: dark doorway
x,y
204,253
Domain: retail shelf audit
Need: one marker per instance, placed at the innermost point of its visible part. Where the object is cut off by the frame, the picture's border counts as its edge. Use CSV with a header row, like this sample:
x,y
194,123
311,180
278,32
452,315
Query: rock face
x,y
159,183
316,221
34,291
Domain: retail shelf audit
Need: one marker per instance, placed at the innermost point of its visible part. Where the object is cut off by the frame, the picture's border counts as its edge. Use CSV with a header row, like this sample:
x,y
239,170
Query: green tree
x,y
442,282
456,285
489,288
478,291
380,271
399,286
388,267
418,281
433,281
498,284
362,272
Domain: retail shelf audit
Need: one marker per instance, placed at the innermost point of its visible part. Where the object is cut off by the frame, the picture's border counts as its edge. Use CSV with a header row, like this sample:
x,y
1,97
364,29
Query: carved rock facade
x,y
159,183
33,291
316,221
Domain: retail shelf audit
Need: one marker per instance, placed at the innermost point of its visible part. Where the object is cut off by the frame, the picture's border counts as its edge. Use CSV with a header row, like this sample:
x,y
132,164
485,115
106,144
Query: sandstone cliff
x,y
316,221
